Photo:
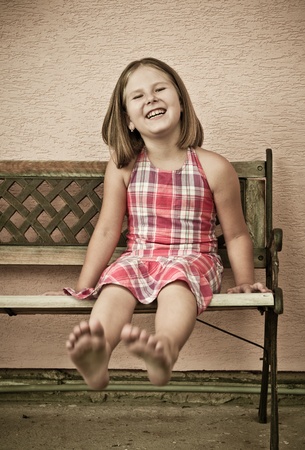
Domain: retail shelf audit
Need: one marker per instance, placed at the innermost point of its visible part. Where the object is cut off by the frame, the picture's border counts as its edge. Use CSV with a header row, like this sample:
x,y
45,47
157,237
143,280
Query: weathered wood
x,y
47,255
244,169
51,304
255,211
250,169
62,169
75,255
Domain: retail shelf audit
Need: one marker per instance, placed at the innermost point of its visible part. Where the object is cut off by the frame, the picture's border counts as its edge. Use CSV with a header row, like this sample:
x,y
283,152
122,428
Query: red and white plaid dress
x,y
171,223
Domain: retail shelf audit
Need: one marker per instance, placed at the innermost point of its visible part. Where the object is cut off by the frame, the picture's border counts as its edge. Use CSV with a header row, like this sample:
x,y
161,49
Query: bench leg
x,y
262,412
270,360
274,426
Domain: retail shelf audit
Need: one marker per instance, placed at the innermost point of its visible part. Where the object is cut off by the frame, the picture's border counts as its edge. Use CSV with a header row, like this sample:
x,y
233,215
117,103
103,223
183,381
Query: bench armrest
x,y
275,246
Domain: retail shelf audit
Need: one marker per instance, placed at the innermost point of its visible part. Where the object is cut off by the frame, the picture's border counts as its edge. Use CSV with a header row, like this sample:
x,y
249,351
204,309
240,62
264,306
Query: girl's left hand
x,y
248,288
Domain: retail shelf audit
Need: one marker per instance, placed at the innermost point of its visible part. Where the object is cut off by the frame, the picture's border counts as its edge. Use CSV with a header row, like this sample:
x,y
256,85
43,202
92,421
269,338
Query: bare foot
x,y
90,352
156,352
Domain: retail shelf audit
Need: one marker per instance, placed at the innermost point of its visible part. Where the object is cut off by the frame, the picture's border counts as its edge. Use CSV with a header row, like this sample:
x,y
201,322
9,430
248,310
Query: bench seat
x,y
51,304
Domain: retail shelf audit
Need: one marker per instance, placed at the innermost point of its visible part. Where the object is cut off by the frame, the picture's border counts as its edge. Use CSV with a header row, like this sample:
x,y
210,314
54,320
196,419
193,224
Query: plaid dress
x,y
171,234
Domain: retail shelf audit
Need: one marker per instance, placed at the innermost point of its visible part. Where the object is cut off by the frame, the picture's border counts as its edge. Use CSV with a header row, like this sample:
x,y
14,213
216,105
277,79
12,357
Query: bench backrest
x,y
48,210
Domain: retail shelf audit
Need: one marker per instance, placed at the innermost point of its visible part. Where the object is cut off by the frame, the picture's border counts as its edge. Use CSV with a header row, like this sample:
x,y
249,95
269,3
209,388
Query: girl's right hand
x,y
248,288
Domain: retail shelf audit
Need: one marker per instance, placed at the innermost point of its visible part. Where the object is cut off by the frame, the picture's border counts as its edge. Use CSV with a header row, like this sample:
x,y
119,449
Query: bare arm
x,y
224,183
108,228
229,211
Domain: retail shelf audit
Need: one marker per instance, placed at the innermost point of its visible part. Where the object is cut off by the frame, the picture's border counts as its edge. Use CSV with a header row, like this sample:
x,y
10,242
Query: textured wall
x,y
243,63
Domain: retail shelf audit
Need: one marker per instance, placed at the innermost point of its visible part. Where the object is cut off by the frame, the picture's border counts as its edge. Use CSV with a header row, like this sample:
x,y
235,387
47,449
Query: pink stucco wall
x,y
243,63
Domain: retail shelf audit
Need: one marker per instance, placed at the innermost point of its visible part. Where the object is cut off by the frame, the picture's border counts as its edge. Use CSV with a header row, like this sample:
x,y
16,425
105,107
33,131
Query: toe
x,y
127,332
135,333
69,345
152,341
84,327
95,328
144,336
80,329
72,338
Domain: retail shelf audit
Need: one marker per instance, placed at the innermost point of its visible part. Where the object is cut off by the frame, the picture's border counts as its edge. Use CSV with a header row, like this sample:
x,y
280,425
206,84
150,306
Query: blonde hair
x,y
126,144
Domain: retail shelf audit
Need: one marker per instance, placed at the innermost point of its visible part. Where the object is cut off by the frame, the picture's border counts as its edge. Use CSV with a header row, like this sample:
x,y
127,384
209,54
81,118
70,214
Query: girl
x,y
170,188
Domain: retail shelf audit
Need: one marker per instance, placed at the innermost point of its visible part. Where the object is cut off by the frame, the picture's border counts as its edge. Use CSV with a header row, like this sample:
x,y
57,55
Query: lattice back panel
x,y
57,203
49,211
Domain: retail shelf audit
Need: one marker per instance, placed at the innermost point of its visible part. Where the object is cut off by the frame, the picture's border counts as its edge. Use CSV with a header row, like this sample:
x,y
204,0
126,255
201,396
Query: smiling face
x,y
152,104
171,102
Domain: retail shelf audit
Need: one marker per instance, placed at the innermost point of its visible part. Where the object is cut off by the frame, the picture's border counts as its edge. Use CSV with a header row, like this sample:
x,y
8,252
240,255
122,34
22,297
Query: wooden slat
x,y
255,211
259,258
250,169
244,169
60,169
74,256
47,255
45,304
42,255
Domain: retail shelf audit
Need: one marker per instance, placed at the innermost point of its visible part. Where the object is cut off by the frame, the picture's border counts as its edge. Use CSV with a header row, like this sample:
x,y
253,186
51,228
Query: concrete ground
x,y
71,421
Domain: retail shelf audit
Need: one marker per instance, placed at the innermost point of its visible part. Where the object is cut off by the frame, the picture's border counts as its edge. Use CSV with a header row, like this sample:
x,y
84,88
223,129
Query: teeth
x,y
156,112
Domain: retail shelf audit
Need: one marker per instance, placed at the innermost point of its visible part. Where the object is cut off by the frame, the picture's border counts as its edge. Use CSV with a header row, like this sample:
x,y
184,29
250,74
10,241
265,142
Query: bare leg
x,y
175,320
90,344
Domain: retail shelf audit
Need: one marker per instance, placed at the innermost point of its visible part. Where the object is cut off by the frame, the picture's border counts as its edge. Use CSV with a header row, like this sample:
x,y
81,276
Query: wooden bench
x,y
48,211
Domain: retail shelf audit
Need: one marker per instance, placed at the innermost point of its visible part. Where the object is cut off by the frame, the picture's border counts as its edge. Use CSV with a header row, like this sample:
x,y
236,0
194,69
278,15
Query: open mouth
x,y
155,113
